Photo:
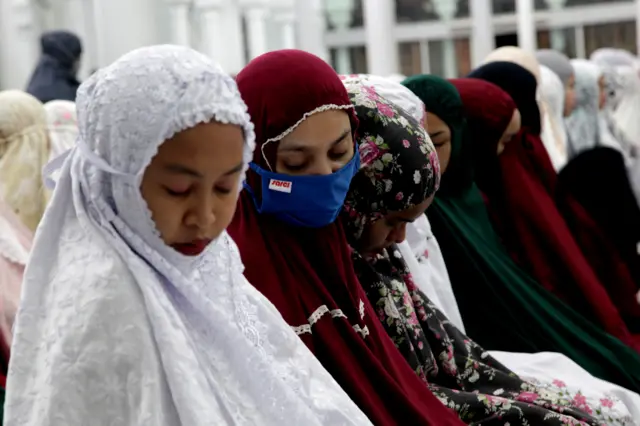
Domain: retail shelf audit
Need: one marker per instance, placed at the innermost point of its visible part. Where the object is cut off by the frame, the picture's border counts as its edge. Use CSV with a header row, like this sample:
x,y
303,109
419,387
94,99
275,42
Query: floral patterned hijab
x,y
399,164
399,170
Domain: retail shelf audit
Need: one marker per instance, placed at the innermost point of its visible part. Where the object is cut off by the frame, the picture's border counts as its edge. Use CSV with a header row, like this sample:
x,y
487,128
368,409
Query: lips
x,y
193,248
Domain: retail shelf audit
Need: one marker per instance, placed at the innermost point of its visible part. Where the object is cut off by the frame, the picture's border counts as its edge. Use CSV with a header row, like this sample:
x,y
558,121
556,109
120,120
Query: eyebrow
x,y
184,170
235,170
336,141
433,135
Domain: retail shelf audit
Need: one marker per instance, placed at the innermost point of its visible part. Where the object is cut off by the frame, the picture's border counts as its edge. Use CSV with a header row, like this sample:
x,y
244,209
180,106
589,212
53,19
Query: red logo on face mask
x,y
280,185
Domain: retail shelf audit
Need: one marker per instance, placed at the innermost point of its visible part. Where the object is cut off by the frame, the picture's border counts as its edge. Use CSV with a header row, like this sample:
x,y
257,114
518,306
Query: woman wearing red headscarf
x,y
520,186
293,251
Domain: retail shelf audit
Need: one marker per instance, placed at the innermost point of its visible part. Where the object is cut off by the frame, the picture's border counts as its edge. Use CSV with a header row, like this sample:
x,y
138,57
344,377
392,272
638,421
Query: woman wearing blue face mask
x,y
296,255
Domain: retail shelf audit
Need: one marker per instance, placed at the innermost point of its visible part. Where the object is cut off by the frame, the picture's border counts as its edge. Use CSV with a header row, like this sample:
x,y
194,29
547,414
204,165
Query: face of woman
x,y
322,144
602,92
512,129
440,135
570,96
390,229
191,185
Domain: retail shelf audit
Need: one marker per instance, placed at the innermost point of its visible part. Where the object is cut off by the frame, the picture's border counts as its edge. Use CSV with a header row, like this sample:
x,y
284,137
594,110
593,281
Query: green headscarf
x,y
503,307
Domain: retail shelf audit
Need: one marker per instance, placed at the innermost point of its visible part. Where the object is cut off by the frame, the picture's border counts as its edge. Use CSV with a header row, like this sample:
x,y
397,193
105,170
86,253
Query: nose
x,y
399,233
321,168
201,215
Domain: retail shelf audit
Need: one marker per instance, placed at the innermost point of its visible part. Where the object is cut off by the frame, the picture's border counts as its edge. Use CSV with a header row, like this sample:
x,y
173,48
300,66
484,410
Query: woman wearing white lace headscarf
x,y
135,309
584,125
554,133
24,150
63,126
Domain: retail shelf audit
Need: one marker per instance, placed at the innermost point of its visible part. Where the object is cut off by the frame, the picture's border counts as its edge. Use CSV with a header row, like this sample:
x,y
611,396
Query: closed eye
x,y
177,193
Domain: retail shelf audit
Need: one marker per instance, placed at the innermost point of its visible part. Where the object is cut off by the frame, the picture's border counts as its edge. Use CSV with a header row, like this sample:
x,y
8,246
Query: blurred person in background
x,y
55,76
63,126
24,151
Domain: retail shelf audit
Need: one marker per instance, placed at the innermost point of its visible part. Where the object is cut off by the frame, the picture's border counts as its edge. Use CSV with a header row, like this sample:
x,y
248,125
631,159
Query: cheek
x,y
167,214
374,235
444,155
224,210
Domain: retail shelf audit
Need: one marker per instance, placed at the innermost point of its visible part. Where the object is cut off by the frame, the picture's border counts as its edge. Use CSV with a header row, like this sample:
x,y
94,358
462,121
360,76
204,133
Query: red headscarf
x,y
523,209
307,273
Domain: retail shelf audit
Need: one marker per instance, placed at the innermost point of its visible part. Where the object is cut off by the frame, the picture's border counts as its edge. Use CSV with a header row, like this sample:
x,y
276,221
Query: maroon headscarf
x,y
523,209
308,273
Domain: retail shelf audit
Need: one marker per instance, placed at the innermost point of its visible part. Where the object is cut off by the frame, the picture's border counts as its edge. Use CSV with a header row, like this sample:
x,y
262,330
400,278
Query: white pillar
x,y
124,25
482,34
449,58
179,12
76,17
527,36
19,43
310,27
638,26
343,60
286,20
211,29
382,47
581,46
257,31
232,57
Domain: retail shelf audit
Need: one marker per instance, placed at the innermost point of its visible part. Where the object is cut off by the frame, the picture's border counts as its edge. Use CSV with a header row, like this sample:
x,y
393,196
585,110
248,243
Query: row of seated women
x,y
181,277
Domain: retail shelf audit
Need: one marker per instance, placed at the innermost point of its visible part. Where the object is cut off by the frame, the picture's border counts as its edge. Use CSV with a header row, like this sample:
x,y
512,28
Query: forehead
x,y
198,146
316,131
436,124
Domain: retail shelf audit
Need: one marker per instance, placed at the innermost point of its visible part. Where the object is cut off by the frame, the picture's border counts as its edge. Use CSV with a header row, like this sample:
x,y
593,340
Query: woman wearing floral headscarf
x,y
24,150
396,183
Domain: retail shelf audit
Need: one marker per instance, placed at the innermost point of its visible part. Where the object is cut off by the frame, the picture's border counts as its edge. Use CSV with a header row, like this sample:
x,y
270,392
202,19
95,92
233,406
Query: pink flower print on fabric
x,y
369,152
606,402
435,163
406,143
399,196
385,110
370,93
530,397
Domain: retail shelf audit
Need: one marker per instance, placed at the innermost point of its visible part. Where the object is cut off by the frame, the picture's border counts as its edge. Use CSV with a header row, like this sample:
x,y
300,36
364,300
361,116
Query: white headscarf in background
x,y
116,327
627,113
399,95
554,133
582,125
24,150
63,126
557,62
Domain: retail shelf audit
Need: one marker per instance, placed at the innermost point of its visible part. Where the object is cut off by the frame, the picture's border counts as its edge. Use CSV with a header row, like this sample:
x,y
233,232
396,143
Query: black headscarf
x,y
55,75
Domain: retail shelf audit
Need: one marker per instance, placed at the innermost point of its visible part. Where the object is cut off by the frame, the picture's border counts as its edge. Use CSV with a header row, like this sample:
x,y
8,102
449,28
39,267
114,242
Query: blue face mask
x,y
308,201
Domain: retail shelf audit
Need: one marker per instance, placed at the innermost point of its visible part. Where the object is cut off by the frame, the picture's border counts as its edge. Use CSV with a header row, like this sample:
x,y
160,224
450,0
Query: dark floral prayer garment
x,y
400,170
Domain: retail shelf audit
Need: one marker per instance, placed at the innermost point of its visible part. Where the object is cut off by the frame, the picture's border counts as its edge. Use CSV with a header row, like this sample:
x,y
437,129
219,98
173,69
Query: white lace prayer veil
x,y
117,328
554,133
582,125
